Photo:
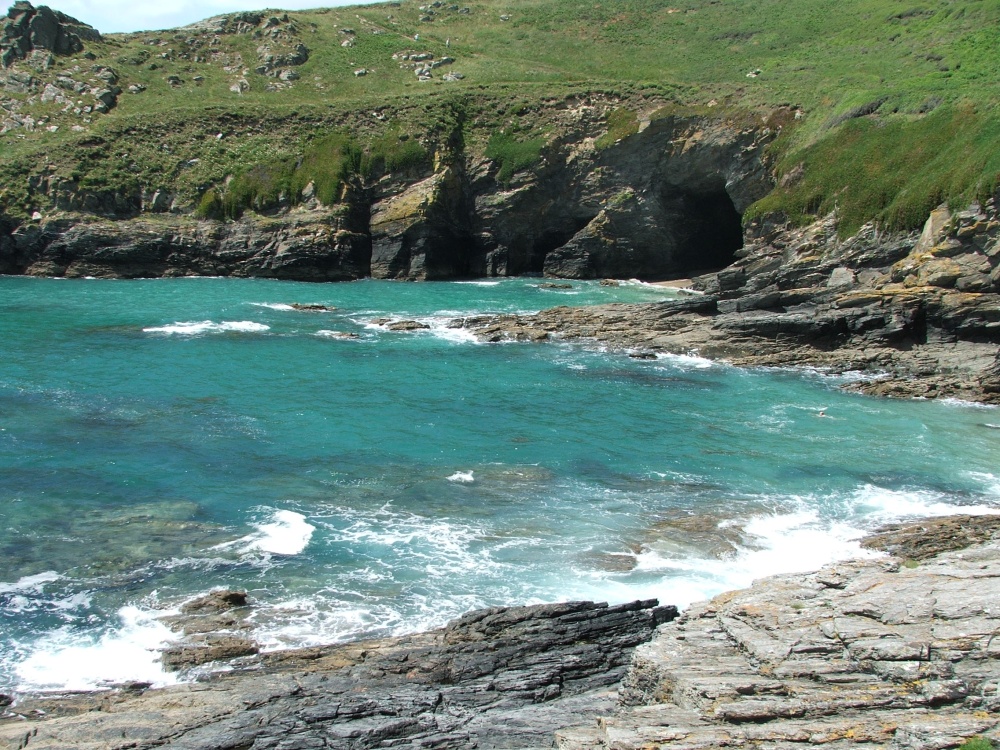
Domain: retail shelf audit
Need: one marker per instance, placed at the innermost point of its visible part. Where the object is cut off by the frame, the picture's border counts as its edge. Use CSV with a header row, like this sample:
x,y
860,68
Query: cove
x,y
162,438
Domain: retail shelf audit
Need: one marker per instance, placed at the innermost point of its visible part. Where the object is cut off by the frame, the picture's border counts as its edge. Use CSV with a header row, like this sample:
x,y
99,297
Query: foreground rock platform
x,y
897,652
495,678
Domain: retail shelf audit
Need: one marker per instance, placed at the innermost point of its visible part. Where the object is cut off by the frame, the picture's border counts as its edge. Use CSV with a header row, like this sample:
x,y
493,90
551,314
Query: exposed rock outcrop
x,y
505,677
666,200
863,654
311,246
27,29
895,652
874,302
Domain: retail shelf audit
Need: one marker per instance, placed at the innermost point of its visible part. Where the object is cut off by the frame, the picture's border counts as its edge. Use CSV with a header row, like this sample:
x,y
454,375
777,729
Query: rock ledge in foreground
x,y
504,677
864,654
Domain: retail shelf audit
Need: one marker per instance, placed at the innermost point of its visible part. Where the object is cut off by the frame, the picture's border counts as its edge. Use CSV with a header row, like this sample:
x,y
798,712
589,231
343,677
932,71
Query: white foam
x,y
273,305
207,326
480,283
991,482
462,476
67,660
288,533
893,505
686,360
439,329
27,584
437,545
795,542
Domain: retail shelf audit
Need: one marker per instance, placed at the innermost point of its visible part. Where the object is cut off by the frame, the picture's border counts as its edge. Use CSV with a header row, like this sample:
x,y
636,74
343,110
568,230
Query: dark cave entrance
x,y
708,230
533,260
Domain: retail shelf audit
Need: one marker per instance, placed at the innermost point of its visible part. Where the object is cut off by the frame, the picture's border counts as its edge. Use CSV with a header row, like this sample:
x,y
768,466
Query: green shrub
x,y
210,206
393,151
977,743
893,172
260,187
328,163
621,124
512,155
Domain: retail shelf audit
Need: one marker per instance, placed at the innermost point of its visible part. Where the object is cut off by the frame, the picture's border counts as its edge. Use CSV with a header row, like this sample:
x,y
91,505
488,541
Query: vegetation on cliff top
x,y
897,101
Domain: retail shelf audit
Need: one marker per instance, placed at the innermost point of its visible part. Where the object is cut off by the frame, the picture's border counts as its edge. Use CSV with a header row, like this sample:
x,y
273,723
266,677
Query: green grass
x,y
895,172
932,65
513,156
622,123
977,743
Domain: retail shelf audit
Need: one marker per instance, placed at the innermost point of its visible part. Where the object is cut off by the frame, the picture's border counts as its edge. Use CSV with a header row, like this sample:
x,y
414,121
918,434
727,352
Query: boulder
x,y
203,650
26,30
216,601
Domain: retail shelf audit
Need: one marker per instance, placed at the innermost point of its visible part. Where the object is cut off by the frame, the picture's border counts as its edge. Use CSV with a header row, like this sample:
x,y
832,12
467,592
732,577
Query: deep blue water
x,y
162,438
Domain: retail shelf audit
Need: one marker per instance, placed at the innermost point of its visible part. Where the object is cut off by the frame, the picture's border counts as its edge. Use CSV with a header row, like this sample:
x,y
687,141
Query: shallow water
x,y
161,438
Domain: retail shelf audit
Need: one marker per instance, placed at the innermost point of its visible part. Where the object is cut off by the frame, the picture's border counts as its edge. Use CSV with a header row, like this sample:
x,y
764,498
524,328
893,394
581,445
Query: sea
x,y
163,438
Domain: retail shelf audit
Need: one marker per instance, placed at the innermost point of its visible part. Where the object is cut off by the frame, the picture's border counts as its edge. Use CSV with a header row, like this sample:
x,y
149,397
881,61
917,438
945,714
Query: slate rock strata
x,y
502,677
918,311
862,654
27,29
647,207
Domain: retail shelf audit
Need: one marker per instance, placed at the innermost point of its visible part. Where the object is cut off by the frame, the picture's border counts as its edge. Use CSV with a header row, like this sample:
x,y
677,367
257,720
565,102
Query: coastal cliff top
x,y
183,110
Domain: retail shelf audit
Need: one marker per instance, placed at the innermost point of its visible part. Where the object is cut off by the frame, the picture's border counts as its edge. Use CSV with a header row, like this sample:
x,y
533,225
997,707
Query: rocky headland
x,y
918,313
897,650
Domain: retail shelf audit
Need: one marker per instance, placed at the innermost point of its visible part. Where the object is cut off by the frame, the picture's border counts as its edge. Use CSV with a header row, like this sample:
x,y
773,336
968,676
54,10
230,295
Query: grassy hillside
x,y
898,98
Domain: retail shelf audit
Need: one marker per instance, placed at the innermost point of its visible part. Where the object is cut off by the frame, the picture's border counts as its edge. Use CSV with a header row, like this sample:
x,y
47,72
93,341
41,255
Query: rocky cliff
x,y
664,201
494,678
919,312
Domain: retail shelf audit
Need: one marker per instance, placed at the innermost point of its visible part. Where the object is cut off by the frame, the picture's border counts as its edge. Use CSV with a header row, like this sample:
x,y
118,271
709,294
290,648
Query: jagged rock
x,y
216,601
312,307
501,677
201,650
861,654
318,246
27,29
417,234
272,60
407,325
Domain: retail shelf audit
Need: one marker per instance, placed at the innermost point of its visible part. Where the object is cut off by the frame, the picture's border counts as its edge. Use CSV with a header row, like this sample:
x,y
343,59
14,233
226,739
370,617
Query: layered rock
x,y
877,653
874,302
311,246
663,201
27,29
504,677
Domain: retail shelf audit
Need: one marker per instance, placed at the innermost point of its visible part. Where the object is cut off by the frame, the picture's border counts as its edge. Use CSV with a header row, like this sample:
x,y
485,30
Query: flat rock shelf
x,y
896,651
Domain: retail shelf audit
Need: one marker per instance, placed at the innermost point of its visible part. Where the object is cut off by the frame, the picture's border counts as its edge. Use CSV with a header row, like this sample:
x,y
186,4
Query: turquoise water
x,y
162,438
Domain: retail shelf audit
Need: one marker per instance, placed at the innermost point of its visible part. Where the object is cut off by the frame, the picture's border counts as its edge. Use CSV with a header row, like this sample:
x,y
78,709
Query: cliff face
x,y
661,202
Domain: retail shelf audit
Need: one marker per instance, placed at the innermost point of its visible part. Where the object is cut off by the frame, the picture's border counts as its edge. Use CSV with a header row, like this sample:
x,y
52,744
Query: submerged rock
x,y
311,307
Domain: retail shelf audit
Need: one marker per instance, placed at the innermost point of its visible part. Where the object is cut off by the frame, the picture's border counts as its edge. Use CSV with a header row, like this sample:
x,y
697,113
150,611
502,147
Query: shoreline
x,y
551,670
694,327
